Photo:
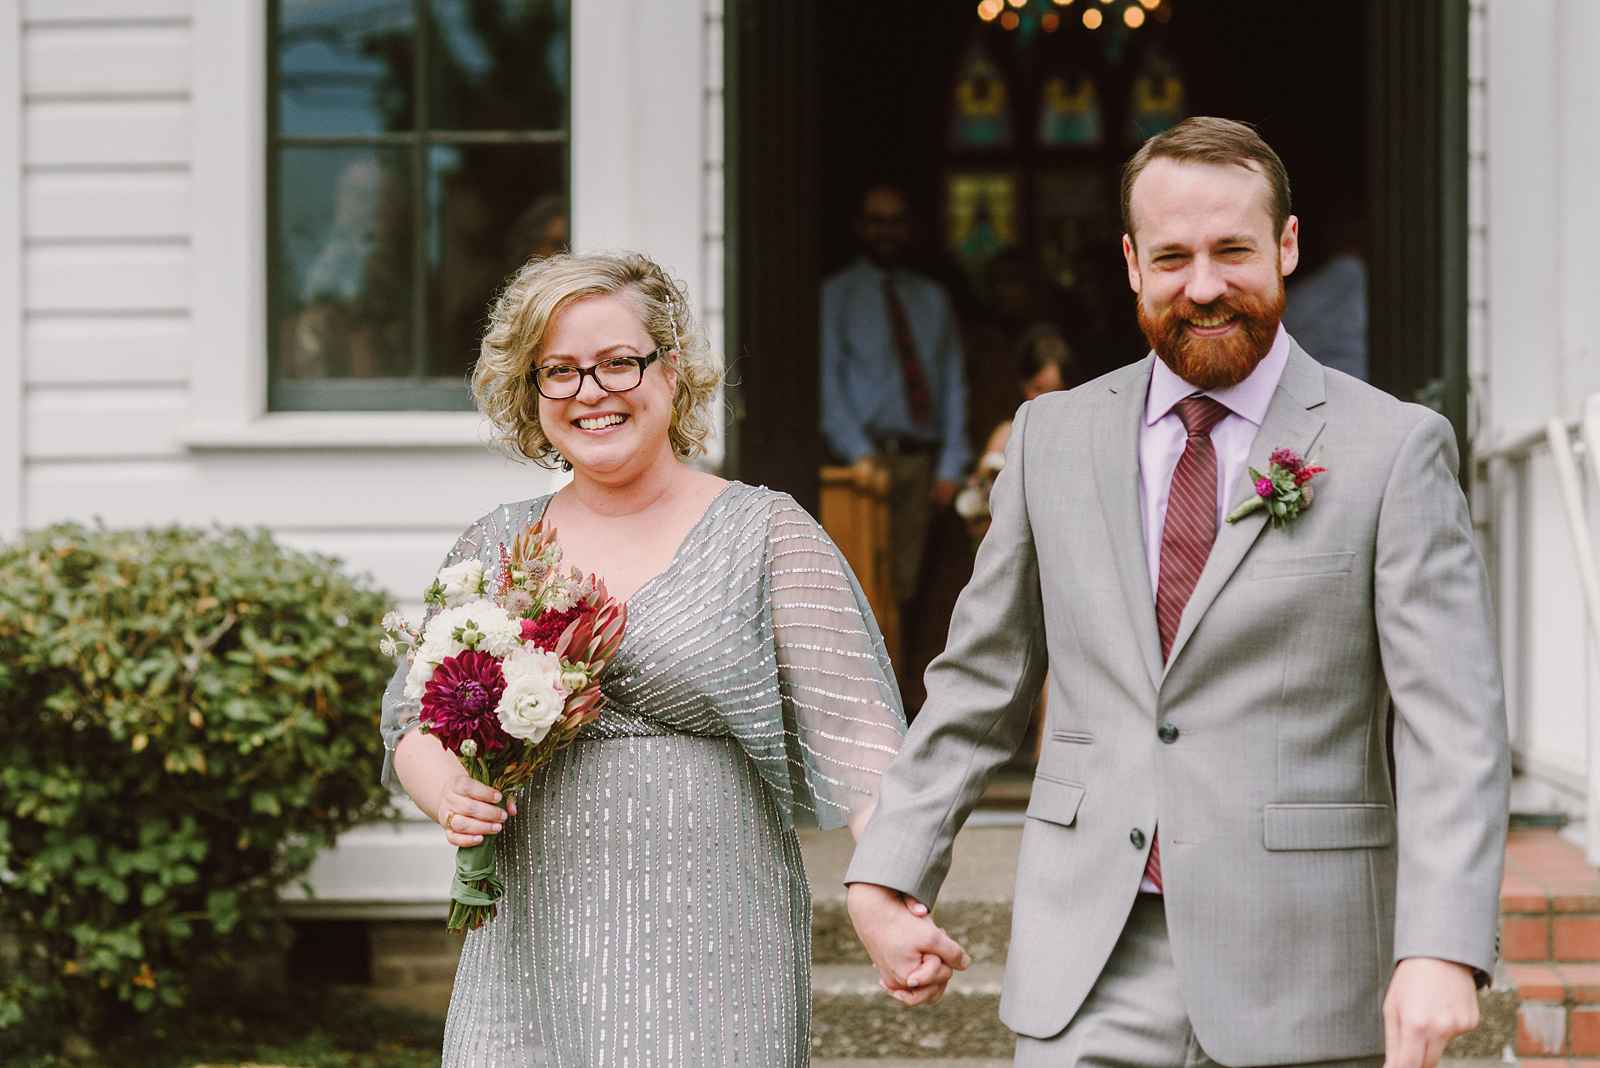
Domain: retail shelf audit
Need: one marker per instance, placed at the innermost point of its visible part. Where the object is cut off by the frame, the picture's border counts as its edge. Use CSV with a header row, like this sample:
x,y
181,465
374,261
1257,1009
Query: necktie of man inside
x,y
911,373
1186,538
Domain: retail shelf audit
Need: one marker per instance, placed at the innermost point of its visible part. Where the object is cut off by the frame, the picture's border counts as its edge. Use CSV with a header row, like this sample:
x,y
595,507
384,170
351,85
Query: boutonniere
x,y
1284,491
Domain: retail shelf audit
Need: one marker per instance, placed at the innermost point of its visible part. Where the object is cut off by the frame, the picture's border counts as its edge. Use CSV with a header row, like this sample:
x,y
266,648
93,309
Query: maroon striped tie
x,y
916,382
1186,537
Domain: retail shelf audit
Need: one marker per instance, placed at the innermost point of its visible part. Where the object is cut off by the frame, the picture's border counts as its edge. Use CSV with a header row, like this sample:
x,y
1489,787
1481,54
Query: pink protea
x,y
1263,487
459,702
1288,458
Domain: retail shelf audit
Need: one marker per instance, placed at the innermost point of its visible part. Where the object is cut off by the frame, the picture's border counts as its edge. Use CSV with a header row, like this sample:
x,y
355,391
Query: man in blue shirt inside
x,y
893,392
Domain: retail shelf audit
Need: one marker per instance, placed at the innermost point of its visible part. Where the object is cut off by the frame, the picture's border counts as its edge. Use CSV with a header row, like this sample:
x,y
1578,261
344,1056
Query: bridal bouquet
x,y
507,672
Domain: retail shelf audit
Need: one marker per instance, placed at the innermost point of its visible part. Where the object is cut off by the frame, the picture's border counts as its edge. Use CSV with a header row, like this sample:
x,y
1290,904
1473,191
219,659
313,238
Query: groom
x,y
1234,854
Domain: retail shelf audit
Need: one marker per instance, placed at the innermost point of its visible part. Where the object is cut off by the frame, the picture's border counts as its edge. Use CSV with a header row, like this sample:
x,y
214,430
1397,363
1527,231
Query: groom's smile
x,y
1208,267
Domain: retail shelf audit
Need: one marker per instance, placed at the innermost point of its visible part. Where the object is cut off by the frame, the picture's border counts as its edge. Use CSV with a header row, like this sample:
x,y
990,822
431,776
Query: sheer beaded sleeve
x,y
842,716
481,541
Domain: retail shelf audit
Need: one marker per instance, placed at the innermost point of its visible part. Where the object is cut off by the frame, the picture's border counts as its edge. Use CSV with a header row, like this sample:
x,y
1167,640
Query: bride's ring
x,y
448,817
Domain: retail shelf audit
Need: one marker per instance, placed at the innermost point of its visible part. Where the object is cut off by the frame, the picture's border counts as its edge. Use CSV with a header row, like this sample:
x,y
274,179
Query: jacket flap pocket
x,y
1328,826
1310,564
1054,800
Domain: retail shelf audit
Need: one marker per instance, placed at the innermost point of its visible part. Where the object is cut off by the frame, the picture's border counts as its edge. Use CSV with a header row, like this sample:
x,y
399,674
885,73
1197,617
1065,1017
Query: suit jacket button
x,y
1136,836
1167,733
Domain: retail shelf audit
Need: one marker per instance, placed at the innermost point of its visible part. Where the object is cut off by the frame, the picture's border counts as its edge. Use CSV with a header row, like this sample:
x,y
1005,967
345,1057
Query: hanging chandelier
x,y
1029,16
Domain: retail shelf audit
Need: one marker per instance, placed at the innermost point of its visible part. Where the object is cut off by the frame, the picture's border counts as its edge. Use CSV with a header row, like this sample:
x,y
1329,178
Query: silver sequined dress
x,y
656,909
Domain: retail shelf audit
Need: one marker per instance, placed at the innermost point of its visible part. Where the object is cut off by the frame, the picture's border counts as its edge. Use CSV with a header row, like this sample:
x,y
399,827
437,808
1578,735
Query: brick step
x,y
1549,900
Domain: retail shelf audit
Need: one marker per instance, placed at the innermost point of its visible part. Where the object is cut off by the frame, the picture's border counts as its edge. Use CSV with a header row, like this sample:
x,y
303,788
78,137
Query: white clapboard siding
x,y
426,489
36,11
108,350
106,205
62,133
63,424
106,278
92,60
400,561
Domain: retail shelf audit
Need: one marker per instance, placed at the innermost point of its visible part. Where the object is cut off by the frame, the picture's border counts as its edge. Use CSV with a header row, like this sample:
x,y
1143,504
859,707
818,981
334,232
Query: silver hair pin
x,y
672,314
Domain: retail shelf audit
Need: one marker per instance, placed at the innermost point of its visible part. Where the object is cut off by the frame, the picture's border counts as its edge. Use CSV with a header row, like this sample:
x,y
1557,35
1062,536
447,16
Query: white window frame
x,y
640,76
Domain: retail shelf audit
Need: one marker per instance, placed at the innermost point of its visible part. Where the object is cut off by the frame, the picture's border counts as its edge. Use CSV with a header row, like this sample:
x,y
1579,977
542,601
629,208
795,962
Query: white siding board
x,y
106,278
107,351
102,10
107,205
104,60
94,423
427,490
401,562
107,133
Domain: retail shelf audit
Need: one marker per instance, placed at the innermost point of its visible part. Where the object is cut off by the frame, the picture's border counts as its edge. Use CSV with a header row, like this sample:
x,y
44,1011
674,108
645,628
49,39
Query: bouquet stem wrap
x,y
475,886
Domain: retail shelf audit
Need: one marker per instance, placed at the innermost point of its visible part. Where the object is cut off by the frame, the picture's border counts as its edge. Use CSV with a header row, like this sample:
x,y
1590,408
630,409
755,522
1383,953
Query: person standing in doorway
x,y
893,391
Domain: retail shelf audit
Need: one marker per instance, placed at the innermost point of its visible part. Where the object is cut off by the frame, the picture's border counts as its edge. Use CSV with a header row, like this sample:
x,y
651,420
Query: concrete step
x,y
974,905
853,1017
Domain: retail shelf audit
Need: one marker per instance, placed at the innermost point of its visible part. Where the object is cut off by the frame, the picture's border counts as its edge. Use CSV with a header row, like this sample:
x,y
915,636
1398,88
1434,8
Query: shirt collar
x,y
1248,399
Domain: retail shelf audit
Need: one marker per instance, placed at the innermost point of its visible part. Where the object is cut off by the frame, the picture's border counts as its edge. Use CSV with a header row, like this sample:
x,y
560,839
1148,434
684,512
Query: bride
x,y
656,909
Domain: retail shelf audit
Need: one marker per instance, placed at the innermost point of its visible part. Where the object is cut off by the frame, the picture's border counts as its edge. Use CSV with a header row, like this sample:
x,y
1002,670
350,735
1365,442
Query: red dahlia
x,y
459,702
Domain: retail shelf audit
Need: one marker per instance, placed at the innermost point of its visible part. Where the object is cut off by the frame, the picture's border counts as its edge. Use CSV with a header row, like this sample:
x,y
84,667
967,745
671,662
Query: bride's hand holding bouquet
x,y
507,673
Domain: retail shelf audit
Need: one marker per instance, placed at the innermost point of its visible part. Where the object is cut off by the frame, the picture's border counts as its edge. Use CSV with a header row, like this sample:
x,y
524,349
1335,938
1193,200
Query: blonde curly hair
x,y
519,327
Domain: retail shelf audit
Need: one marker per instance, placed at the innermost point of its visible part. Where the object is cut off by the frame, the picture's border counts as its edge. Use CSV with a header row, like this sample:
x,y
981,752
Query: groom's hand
x,y
915,959
1429,1003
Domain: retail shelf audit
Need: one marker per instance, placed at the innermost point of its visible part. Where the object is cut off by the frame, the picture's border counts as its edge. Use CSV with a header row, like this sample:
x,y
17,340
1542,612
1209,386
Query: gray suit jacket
x,y
1294,876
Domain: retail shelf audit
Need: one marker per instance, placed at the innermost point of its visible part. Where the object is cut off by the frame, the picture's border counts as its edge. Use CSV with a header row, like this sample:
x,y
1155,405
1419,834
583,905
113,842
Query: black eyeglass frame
x,y
644,363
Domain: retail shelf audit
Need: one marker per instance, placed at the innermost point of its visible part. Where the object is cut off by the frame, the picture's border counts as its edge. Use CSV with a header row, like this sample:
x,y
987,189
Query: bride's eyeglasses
x,y
615,374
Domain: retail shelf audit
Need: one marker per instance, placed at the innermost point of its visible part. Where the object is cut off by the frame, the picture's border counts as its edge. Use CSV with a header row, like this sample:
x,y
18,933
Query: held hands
x,y
467,811
915,959
1429,1003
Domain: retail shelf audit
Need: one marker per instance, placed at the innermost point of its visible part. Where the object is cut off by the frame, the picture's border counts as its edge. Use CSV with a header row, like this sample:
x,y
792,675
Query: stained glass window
x,y
418,155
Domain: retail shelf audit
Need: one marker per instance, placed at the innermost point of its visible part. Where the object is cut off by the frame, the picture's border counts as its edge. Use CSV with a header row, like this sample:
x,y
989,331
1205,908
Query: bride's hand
x,y
467,811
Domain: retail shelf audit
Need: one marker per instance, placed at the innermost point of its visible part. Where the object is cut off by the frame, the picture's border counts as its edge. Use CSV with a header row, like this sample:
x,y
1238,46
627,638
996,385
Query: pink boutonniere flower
x,y
1284,491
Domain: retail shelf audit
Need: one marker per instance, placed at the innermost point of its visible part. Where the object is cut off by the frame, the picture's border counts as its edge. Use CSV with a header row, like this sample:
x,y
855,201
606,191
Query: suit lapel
x,y
1115,448
1289,424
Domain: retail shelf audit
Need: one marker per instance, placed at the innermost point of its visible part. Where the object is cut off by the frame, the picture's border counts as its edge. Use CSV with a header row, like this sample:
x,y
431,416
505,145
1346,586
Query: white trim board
x,y
11,332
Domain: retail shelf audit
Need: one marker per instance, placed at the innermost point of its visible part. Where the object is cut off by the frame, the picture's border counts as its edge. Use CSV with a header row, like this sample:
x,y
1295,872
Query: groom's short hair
x,y
1205,139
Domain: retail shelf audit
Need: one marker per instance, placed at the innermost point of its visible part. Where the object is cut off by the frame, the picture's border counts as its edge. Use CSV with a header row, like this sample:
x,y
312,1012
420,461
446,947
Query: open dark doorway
x,y
1364,102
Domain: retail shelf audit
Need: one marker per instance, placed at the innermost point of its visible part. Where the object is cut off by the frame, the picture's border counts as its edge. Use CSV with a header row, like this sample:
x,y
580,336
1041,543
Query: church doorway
x,y
1005,122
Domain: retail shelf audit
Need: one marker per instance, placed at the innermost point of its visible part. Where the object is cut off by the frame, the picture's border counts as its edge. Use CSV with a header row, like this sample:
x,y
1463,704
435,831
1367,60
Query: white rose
x,y
462,582
417,678
531,705
530,660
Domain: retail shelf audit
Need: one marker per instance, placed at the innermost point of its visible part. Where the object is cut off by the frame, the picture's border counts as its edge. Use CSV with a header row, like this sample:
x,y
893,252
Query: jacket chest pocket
x,y
1306,566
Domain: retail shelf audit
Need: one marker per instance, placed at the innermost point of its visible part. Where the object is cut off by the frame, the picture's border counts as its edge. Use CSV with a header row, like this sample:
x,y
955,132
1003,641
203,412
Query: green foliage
x,y
188,718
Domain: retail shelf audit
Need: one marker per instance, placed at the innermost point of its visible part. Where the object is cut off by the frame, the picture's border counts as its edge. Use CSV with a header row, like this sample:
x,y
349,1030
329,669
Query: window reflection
x,y
498,64
494,207
345,66
345,256
397,214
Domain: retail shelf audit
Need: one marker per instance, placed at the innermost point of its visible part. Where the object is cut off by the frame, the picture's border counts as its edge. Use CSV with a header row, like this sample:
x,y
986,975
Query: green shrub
x,y
188,718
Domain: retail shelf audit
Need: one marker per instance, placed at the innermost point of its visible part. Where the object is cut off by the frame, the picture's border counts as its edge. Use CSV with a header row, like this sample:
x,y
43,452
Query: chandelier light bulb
x,y
1009,20
1133,16
1151,4
1092,18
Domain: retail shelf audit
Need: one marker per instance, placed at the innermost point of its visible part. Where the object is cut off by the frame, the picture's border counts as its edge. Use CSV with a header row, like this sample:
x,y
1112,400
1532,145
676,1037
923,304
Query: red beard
x,y
1210,364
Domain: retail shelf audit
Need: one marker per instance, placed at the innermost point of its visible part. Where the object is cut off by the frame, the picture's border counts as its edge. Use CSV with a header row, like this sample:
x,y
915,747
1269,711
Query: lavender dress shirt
x,y
1161,441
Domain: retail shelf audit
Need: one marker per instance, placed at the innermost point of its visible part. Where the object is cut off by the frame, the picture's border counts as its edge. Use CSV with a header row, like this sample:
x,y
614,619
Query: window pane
x,y
493,207
344,66
498,65
343,287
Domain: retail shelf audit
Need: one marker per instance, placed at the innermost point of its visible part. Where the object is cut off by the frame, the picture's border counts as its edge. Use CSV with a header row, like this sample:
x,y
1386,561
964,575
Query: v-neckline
x,y
677,554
